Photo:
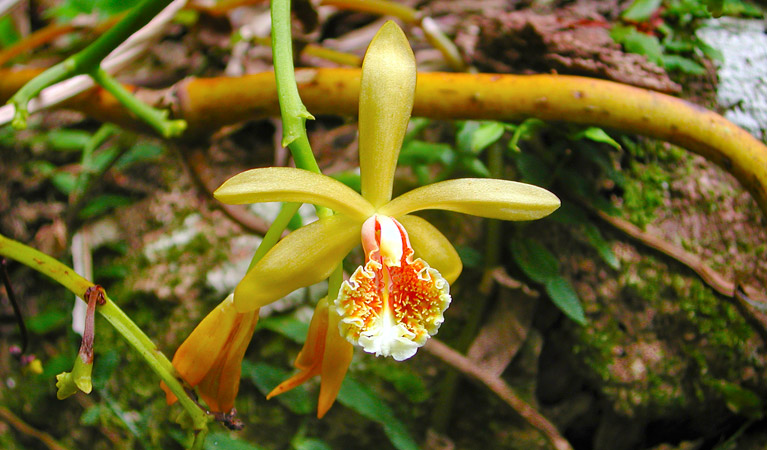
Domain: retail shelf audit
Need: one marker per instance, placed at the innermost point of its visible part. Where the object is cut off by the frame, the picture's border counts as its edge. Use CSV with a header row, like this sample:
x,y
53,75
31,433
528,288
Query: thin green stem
x,y
68,278
156,118
87,60
274,232
294,115
292,109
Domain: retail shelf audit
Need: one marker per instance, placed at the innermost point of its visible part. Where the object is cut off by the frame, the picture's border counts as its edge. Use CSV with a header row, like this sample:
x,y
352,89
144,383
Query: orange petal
x,y
338,356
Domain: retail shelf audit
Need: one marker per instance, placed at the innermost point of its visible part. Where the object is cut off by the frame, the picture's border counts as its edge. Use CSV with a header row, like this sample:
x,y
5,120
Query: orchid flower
x,y
211,357
394,302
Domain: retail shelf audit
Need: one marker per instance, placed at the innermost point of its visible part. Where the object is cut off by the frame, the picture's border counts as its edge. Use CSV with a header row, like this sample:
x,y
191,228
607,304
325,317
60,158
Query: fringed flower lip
x,y
395,301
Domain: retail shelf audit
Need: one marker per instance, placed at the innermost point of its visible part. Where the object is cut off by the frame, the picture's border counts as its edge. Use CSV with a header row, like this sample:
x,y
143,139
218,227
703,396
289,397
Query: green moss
x,y
667,345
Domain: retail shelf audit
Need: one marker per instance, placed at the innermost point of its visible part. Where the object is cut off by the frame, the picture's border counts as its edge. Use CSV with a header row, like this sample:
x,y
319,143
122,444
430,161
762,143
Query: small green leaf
x,y
91,415
67,140
635,42
420,152
524,131
564,296
349,178
686,65
464,136
470,256
475,167
8,33
532,168
141,152
64,182
266,378
535,260
302,443
486,134
223,441
102,204
740,400
287,325
101,160
104,365
600,245
596,134
641,10
364,401
47,321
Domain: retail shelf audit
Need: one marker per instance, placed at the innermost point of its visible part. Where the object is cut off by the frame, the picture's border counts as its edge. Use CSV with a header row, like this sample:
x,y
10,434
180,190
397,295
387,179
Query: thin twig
x,y
24,428
15,304
500,388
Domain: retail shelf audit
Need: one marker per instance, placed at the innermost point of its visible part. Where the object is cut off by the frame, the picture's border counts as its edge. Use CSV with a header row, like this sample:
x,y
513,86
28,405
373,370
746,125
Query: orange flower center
x,y
392,304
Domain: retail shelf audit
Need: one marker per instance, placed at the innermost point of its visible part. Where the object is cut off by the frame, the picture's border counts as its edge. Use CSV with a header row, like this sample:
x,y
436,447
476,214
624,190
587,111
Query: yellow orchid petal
x,y
190,360
309,359
211,357
219,388
433,247
496,199
338,356
306,256
286,184
387,89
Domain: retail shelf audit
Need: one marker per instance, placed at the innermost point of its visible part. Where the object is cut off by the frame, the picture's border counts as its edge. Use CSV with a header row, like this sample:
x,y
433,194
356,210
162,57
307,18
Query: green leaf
x,y
364,401
641,10
223,441
539,264
102,204
302,443
486,134
141,152
91,416
64,181
464,136
420,152
349,178
287,325
532,168
524,131
101,160
417,124
686,65
564,296
475,167
599,243
104,364
404,380
8,33
47,321
740,400
470,256
67,140
635,42
596,134
266,377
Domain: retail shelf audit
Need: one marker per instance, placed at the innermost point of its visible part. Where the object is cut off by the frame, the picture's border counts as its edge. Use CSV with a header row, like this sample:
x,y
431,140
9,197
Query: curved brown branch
x,y
207,104
24,428
500,388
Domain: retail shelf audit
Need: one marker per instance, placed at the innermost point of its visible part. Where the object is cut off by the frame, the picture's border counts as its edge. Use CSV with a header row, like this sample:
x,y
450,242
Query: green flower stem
x,y
87,60
112,313
156,118
275,231
292,109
